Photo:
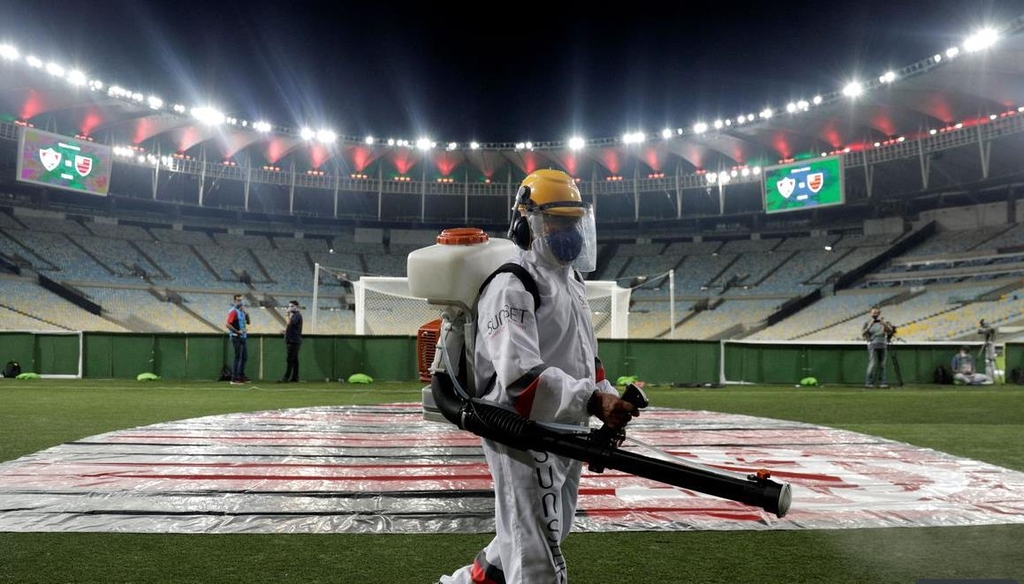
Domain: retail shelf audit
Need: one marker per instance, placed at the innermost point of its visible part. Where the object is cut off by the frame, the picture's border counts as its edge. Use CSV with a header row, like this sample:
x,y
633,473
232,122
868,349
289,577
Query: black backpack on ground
x,y
942,376
12,369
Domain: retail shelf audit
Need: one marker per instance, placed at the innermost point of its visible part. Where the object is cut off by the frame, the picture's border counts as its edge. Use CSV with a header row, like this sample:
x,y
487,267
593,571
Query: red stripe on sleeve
x,y
524,401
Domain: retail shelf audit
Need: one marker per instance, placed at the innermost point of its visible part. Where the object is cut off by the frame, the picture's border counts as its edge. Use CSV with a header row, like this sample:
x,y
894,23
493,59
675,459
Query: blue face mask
x,y
565,245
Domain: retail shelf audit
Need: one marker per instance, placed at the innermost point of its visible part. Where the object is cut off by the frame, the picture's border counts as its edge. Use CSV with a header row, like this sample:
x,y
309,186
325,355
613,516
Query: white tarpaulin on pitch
x,y
383,469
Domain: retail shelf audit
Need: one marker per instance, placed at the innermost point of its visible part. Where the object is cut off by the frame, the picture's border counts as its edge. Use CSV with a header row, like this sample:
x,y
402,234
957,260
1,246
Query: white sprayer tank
x,y
451,272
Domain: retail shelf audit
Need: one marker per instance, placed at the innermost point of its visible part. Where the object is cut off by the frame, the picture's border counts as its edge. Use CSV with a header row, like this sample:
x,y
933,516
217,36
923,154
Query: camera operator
x,y
963,369
988,350
877,332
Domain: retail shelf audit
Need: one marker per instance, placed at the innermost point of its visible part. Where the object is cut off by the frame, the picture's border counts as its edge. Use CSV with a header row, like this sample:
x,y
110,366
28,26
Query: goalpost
x,y
384,306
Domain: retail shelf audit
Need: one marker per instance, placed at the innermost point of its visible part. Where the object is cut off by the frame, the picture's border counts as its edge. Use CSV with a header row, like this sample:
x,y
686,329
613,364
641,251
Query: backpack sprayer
x,y
449,274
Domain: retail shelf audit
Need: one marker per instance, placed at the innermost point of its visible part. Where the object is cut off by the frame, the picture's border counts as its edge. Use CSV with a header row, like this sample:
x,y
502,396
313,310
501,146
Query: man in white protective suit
x,y
540,359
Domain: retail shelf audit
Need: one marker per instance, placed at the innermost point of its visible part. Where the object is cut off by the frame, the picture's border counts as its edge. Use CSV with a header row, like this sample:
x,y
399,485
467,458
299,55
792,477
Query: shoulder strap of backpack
x,y
520,272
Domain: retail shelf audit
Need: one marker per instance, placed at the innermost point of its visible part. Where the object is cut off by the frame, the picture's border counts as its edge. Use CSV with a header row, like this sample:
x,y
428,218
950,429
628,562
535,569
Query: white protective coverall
x,y
546,367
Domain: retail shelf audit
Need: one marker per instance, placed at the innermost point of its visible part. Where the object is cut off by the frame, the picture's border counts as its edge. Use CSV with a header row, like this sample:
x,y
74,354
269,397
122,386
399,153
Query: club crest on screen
x,y
786,186
83,164
815,181
50,158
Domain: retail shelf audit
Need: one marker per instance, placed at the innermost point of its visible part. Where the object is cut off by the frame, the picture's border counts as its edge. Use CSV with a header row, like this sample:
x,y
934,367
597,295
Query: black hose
x,y
509,428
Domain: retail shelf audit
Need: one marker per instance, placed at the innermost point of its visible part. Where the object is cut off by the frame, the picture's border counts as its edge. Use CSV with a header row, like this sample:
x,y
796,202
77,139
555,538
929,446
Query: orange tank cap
x,y
462,236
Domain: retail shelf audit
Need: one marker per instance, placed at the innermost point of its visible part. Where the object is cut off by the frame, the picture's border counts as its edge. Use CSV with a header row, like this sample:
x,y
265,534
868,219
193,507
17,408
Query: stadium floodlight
x,y
34,61
307,134
719,124
757,170
96,85
208,116
633,138
261,126
453,146
391,141
817,100
853,89
952,52
980,40
138,97
724,178
474,145
424,144
577,143
700,128
887,77
9,52
55,69
179,108
529,145
76,77
766,113
745,171
370,140
326,136
803,105
711,177
790,107
666,133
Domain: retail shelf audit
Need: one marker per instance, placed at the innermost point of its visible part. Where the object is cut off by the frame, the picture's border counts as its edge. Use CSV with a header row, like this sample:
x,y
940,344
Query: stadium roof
x,y
942,93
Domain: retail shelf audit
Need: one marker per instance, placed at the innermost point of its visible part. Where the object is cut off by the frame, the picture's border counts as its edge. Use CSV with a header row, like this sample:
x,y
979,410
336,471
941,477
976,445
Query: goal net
x,y
384,306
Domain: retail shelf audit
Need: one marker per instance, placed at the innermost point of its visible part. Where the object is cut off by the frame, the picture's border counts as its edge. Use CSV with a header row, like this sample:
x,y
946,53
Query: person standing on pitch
x,y
876,332
237,323
292,341
539,357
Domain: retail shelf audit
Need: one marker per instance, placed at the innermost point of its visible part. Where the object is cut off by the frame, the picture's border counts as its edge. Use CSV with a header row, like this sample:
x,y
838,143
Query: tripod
x,y
890,349
988,354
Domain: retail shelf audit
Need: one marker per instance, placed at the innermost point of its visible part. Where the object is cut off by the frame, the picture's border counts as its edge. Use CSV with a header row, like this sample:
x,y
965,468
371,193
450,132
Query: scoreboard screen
x,y
807,184
57,161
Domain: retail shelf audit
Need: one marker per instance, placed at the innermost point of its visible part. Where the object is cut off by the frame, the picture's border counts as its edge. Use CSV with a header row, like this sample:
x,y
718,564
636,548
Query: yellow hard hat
x,y
550,191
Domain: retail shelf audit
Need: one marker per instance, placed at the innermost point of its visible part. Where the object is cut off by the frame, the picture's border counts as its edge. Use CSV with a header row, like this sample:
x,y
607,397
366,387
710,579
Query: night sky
x,y
501,73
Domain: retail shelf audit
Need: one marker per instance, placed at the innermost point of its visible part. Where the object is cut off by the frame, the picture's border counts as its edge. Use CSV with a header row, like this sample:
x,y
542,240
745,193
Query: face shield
x,y
566,235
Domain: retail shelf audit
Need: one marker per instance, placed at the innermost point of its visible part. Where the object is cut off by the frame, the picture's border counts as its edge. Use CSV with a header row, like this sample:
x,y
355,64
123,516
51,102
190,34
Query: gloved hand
x,y
612,410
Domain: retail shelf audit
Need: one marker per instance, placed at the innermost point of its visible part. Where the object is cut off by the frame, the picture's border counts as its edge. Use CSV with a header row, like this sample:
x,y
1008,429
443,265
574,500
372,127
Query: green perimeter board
x,y
660,361
19,347
205,355
382,358
316,358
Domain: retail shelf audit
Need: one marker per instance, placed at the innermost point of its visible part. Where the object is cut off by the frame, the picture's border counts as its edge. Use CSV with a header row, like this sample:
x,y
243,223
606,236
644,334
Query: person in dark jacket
x,y
292,340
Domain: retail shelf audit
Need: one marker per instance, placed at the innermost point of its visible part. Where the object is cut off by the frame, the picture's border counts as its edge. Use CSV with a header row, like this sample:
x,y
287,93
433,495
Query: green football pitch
x,y
983,423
